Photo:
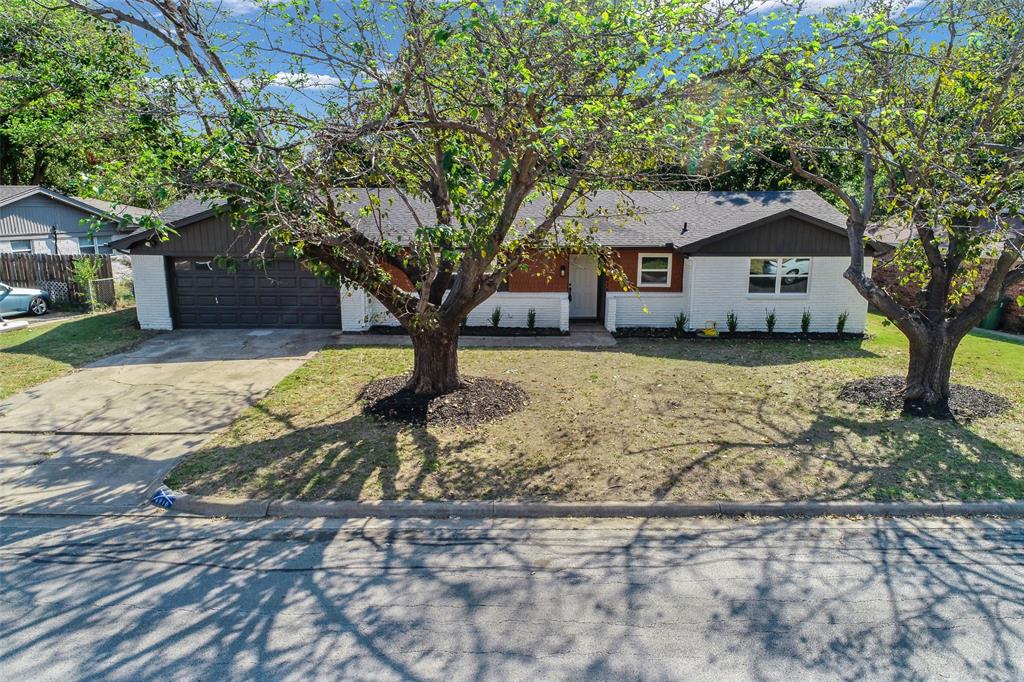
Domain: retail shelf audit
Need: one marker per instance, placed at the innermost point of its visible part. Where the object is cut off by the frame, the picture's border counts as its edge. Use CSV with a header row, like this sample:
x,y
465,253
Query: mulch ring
x,y
966,402
480,400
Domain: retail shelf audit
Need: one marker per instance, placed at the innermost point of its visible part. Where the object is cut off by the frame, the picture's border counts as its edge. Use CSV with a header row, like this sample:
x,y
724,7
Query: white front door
x,y
583,286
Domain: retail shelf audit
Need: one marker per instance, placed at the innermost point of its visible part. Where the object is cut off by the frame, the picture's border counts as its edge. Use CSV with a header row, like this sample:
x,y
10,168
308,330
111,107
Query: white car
x,y
20,300
790,266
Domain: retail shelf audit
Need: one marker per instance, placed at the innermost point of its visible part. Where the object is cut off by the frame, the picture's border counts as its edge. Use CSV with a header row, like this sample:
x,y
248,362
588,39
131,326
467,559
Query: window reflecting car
x,y
19,300
790,266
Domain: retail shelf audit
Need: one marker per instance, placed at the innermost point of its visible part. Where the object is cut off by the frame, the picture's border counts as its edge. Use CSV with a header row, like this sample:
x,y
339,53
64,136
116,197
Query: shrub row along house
x,y
702,254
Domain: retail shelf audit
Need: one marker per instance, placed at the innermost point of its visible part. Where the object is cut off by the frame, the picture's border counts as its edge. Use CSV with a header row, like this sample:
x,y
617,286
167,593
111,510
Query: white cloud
x,y
295,81
818,6
807,7
305,81
238,6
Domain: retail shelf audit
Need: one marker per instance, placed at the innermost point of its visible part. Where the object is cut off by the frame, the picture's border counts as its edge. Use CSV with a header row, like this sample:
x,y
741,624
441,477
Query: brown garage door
x,y
279,293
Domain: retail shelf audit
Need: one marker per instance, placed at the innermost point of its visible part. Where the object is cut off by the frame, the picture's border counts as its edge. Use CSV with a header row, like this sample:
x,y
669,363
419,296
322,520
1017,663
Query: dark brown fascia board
x,y
131,240
128,241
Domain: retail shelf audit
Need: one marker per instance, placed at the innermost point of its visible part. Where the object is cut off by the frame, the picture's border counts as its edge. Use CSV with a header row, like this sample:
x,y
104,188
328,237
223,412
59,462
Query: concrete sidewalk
x,y
99,439
241,508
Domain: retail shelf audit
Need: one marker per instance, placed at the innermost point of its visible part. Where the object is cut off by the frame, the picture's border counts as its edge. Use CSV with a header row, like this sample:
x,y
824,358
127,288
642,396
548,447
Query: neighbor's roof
x,y
617,219
10,194
187,208
897,234
116,209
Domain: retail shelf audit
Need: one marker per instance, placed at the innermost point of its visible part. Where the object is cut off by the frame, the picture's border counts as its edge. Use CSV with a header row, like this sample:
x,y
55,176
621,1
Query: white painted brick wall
x,y
152,303
353,310
626,309
360,311
514,307
719,284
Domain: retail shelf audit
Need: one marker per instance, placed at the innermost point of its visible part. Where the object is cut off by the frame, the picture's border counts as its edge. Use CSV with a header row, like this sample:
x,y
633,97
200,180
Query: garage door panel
x,y
273,294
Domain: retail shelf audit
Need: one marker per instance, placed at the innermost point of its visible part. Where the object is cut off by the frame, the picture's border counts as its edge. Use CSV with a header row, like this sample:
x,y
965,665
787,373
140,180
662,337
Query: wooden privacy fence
x,y
55,275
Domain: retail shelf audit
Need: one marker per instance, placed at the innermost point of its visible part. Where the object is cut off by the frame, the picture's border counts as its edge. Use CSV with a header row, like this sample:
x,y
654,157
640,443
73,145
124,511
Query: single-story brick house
x,y
36,219
704,254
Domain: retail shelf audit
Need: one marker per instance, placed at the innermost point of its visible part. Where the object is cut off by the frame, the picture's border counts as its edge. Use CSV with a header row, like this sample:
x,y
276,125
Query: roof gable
x,y
12,194
790,233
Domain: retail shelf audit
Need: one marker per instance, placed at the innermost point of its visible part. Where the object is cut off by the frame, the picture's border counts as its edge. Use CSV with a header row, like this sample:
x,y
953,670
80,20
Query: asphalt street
x,y
171,597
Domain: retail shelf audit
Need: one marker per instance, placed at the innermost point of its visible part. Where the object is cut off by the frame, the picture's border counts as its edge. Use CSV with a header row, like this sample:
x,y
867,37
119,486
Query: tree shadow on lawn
x,y
750,451
359,456
81,341
847,457
744,352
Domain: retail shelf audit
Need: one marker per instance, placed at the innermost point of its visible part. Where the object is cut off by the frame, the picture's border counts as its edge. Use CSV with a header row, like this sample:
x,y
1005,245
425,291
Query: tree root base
x,y
479,400
965,402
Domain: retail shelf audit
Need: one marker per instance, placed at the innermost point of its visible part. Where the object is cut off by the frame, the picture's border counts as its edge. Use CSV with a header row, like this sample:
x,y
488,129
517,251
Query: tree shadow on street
x,y
424,600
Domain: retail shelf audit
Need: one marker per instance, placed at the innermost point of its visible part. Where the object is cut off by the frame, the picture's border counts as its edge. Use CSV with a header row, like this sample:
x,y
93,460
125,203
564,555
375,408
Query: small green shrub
x,y
681,320
84,270
732,322
496,316
124,293
841,322
770,319
531,318
805,321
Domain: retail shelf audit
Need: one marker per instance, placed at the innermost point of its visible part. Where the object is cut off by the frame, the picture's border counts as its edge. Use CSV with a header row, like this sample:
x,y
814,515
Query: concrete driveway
x,y
100,439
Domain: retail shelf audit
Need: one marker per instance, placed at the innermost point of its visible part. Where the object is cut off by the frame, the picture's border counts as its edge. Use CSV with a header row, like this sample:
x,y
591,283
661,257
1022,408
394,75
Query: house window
x,y
94,245
779,276
21,246
655,270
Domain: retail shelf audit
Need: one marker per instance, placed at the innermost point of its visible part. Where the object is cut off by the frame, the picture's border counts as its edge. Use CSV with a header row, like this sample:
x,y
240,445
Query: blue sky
x,y
306,91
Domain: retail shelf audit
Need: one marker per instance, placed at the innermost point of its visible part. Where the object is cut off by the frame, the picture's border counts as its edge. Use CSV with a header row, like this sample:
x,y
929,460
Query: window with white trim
x,y
94,245
21,246
654,270
779,276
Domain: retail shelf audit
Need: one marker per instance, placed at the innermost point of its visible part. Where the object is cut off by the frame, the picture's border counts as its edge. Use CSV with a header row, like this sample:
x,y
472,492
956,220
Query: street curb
x,y
391,509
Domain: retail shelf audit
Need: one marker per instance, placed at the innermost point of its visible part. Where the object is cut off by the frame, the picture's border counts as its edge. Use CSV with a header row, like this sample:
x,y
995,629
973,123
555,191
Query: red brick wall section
x,y
544,273
888,276
399,277
628,260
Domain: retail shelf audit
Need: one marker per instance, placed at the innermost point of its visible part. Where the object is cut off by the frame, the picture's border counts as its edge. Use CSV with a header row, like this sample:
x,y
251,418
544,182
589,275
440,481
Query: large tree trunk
x,y
436,362
931,360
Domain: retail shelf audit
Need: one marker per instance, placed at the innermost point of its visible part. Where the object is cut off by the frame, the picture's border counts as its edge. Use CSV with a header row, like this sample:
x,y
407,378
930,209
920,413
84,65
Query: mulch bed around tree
x,y
966,402
479,400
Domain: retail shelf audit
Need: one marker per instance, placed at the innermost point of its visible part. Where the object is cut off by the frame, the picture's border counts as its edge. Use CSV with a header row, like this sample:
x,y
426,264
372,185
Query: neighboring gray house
x,y
35,219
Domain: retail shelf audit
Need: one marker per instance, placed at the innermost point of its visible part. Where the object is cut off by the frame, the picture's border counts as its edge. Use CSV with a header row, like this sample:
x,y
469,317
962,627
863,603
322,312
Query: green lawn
x,y
649,419
40,353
